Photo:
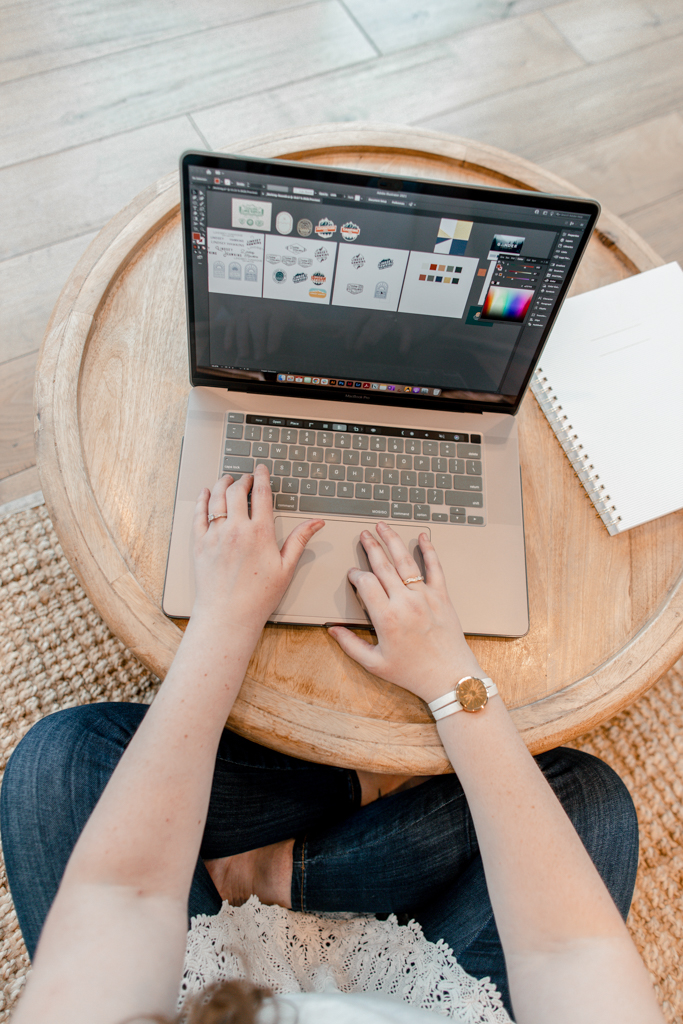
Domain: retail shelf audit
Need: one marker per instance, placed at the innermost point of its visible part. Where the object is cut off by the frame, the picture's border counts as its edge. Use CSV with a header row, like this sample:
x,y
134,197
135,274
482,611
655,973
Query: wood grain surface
x,y
112,383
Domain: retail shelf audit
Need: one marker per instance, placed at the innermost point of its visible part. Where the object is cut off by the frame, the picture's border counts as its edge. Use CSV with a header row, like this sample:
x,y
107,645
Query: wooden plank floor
x,y
98,99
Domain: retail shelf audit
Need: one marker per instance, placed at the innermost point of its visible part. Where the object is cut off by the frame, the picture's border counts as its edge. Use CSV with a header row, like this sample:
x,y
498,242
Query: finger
x,y
262,495
293,547
200,519
370,589
360,650
380,563
433,571
217,501
236,497
405,564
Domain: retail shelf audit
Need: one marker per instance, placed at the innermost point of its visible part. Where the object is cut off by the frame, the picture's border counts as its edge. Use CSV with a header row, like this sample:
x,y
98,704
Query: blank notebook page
x,y
614,363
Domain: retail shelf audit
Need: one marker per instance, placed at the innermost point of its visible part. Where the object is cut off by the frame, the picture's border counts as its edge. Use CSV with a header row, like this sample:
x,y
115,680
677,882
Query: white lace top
x,y
294,953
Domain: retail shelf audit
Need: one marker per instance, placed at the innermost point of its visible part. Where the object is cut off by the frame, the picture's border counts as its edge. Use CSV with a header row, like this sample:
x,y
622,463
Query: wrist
x,y
444,680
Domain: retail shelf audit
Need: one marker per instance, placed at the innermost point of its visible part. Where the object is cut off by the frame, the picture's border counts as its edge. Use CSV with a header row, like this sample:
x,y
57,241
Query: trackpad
x,y
320,591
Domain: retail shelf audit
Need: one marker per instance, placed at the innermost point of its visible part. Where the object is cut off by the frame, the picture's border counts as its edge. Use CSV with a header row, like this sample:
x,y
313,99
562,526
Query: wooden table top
x,y
112,383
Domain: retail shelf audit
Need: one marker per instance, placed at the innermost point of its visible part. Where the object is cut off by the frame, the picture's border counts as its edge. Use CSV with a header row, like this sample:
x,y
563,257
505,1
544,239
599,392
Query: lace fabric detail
x,y
289,951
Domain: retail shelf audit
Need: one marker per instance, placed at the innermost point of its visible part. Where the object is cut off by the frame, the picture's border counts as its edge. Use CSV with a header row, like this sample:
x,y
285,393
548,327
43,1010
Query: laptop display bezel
x,y
390,182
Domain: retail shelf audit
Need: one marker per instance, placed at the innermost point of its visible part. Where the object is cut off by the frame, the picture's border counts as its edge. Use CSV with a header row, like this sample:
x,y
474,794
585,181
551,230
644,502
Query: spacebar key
x,y
340,507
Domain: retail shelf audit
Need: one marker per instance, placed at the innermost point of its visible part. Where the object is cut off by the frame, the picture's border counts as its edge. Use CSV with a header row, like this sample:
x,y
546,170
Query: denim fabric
x,y
412,853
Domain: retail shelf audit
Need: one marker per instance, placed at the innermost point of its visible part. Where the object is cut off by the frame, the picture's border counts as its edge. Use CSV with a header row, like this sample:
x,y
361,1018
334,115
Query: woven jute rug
x,y
55,652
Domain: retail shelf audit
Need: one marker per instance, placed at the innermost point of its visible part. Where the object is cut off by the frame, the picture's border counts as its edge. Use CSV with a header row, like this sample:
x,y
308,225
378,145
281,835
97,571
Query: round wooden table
x,y
112,384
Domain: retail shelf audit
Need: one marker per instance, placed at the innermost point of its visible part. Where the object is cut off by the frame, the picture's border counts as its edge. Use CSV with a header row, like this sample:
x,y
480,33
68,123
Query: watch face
x,y
472,694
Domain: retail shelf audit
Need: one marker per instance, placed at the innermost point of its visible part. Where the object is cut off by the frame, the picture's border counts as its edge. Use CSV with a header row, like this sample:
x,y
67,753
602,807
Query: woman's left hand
x,y
240,572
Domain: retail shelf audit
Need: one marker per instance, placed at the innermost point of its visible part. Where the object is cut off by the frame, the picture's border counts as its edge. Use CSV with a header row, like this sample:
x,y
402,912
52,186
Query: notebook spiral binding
x,y
573,449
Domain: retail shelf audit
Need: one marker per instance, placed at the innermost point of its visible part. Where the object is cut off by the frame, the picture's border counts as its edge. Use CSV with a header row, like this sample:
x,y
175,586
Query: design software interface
x,y
302,283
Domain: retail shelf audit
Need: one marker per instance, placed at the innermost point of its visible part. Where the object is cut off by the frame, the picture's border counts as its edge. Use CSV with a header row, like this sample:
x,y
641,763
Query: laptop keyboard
x,y
356,469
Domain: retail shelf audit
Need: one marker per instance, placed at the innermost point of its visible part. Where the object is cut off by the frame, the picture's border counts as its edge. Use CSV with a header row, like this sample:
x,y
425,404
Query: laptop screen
x,y
304,280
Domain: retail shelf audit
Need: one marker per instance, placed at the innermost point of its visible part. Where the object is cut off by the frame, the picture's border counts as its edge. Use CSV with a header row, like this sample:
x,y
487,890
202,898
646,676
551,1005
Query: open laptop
x,y
370,338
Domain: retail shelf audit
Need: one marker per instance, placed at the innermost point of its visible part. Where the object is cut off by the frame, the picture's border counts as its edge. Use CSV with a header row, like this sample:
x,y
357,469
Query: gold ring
x,y
217,515
413,579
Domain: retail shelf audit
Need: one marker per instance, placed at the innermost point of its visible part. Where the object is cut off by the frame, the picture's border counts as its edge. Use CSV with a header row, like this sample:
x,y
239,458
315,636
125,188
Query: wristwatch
x,y
471,693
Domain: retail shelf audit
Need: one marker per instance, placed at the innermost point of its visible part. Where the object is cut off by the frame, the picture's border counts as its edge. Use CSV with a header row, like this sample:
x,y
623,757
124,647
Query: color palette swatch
x,y
508,304
441,273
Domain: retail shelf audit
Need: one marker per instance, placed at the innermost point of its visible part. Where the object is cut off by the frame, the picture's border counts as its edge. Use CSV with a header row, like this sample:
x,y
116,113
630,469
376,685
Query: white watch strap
x,y
448,704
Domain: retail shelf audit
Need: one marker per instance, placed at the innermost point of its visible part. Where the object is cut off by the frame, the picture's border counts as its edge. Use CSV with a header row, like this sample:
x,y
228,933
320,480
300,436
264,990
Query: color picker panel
x,y
509,304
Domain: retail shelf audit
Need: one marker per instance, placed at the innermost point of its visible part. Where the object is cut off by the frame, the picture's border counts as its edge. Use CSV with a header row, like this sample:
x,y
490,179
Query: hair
x,y
223,1002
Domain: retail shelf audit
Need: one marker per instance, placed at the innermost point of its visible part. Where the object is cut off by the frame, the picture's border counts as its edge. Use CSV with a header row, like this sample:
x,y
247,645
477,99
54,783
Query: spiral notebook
x,y
610,382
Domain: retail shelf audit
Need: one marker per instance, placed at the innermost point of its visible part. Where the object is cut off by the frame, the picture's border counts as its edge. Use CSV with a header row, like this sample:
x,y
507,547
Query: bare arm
x,y
568,953
113,943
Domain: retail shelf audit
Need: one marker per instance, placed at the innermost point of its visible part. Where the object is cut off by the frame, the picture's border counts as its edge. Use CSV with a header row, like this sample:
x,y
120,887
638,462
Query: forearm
x,y
146,829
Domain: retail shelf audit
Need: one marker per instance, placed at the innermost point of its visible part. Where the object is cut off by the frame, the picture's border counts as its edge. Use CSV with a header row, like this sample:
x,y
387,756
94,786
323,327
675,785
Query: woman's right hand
x,y
421,645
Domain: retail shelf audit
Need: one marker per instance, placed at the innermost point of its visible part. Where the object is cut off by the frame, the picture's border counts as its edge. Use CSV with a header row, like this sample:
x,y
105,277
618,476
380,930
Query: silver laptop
x,y
370,340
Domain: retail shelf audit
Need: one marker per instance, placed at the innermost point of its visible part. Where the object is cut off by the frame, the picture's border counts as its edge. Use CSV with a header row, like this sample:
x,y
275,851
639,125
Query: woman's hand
x,y
421,646
240,572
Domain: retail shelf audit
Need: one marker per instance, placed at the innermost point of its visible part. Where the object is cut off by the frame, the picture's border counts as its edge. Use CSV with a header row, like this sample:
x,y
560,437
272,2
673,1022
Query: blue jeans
x,y
413,853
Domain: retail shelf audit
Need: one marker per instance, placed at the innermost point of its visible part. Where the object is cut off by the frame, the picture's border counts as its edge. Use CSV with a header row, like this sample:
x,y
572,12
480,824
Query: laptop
x,y
370,339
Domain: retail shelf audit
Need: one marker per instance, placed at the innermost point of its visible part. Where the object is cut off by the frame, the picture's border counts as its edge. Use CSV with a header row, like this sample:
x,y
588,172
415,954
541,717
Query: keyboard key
x,y
378,444
364,490
252,433
464,498
408,478
417,495
309,486
318,472
315,454
327,488
336,472
399,493
395,444
413,446
456,466
237,448
447,449
421,463
260,450
271,433
351,458
475,520
275,484
325,438
430,447
373,476
439,465
473,467
421,512
368,458
459,519
435,497
234,430
286,502
332,456
342,440
390,476
307,437
404,461
399,511
360,442
289,436
354,473
445,481
345,507
475,438
425,479
297,452
457,510
235,417
439,517
231,464
344,490
290,486
282,469
278,451
387,461
265,462
300,469
469,451
381,492
467,483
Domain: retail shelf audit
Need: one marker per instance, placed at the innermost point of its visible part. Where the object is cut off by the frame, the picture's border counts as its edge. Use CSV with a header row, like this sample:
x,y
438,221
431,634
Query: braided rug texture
x,y
55,652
